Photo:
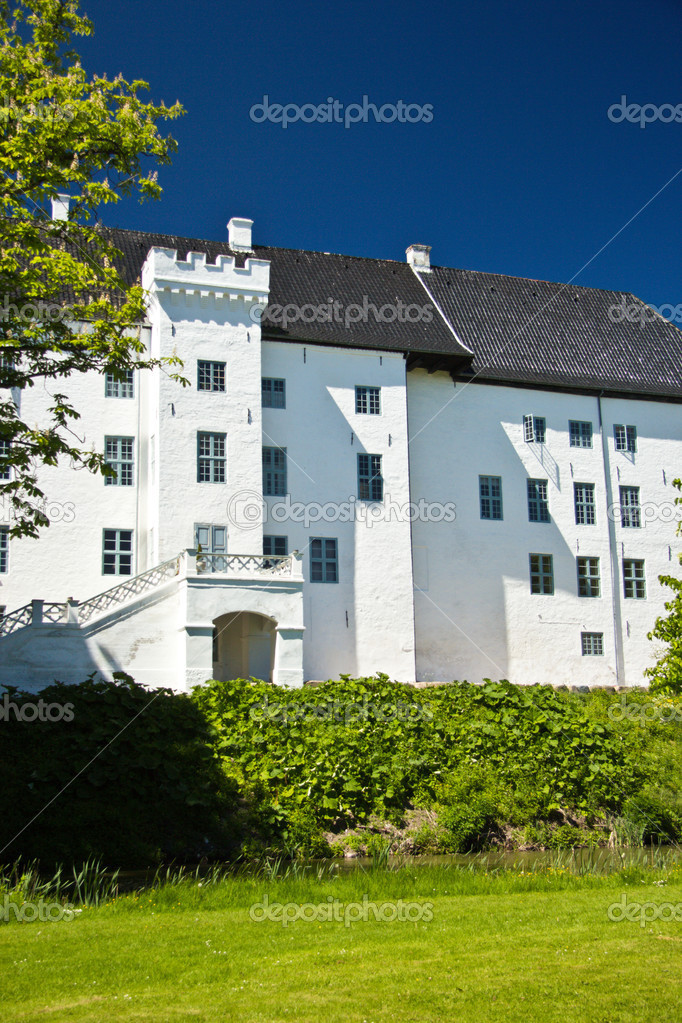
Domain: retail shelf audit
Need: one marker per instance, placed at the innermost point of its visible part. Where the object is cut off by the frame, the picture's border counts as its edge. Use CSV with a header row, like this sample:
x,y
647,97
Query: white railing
x,y
18,619
132,587
39,612
244,564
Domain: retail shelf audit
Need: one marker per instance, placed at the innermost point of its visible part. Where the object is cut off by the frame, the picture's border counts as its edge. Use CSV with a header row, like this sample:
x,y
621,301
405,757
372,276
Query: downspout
x,y
409,478
613,554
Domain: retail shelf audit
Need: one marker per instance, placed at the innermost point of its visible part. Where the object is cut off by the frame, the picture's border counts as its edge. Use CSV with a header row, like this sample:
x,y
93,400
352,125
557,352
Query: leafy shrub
x,y
128,777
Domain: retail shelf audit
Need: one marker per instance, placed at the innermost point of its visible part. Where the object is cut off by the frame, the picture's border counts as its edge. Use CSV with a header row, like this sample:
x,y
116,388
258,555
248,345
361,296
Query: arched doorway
x,y
243,646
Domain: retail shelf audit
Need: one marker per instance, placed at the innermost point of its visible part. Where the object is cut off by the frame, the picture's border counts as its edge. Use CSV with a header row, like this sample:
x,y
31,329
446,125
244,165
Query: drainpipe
x,y
613,553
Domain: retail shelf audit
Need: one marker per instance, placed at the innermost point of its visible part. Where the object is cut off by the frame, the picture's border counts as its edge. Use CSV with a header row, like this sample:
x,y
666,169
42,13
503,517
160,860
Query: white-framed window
x,y
634,580
274,472
541,573
630,512
117,552
592,644
579,433
589,584
210,375
118,452
538,503
584,503
273,392
5,470
368,401
119,386
324,560
490,496
211,457
625,438
534,429
370,480
4,549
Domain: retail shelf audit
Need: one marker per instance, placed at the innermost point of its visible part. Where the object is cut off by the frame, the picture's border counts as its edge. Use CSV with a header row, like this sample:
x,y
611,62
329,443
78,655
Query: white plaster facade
x,y
431,594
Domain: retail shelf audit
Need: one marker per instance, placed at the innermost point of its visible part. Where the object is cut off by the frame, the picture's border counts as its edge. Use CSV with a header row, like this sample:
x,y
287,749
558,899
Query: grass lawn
x,y
185,953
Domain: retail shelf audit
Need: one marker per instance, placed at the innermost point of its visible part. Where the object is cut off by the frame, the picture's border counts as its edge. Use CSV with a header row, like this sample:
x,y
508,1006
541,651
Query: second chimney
x,y
418,256
60,206
239,234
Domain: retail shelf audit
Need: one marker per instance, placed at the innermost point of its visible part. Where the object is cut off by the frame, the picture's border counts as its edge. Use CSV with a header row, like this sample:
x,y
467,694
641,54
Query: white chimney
x,y
60,206
239,234
418,257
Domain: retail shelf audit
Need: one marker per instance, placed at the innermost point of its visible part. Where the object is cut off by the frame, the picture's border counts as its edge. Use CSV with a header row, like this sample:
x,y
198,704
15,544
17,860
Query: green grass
x,y
509,946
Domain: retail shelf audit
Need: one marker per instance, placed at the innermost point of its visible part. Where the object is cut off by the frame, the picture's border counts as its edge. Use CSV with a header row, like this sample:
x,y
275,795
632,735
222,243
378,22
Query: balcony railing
x,y
237,566
244,564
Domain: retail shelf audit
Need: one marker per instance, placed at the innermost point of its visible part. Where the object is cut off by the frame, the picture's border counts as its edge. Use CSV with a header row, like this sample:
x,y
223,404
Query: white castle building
x,y
379,466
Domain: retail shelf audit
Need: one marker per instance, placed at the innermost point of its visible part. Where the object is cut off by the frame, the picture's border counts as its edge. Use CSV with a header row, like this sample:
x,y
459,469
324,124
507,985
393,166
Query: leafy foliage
x,y
481,755
666,675
127,776
64,307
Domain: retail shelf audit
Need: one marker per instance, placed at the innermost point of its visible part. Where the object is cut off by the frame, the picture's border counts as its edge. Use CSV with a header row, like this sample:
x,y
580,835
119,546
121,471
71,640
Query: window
x,y
211,457
275,546
324,562
368,400
585,508
117,554
629,508
538,507
7,364
625,438
490,488
210,376
5,470
273,393
534,429
592,644
541,573
274,472
588,577
634,584
119,386
579,433
119,455
4,549
370,482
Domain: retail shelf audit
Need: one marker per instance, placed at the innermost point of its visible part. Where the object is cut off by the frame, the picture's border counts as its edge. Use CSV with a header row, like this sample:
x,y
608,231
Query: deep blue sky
x,y
520,171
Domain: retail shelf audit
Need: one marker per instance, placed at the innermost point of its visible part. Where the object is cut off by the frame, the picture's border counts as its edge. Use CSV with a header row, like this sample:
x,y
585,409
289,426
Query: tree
x,y
64,307
666,675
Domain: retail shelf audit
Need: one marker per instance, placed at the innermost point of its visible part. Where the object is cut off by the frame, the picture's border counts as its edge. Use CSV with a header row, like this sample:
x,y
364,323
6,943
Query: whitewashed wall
x,y
364,623
475,615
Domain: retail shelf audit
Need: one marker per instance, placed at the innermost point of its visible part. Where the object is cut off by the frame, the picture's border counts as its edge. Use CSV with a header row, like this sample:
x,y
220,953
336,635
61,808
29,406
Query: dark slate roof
x,y
526,331
520,331
309,280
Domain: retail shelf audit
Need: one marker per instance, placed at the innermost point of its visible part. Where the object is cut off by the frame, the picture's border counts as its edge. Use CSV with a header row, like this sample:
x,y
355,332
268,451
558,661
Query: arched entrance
x,y
243,646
